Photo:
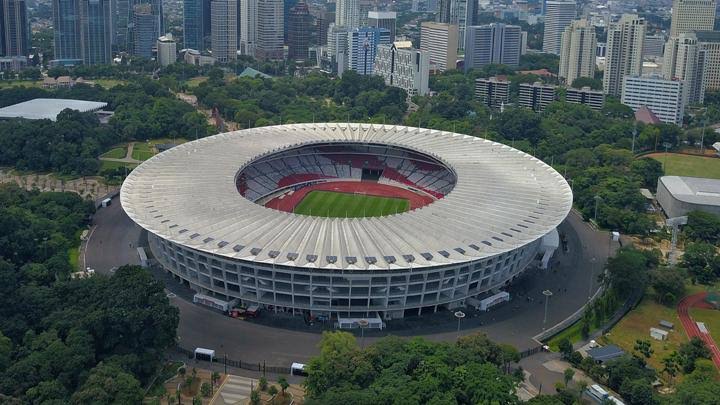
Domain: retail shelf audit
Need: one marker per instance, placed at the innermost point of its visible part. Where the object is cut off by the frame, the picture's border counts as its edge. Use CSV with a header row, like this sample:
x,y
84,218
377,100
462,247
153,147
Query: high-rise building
x,y
493,43
462,13
166,50
403,67
347,13
145,30
494,92
364,8
696,57
558,15
535,96
624,52
288,5
653,46
248,26
15,28
66,30
692,15
594,99
337,49
577,51
270,21
96,31
665,98
437,40
323,19
194,28
299,27
223,25
362,47
383,19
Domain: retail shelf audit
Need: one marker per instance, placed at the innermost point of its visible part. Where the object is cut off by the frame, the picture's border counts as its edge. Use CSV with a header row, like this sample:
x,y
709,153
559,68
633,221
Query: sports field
x,y
350,205
687,165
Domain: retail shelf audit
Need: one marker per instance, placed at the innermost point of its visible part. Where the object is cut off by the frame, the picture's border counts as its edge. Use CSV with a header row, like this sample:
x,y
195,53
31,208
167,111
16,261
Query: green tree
x,y
568,375
628,271
254,397
108,383
703,227
643,347
282,381
671,365
593,83
263,383
702,262
272,390
206,389
668,284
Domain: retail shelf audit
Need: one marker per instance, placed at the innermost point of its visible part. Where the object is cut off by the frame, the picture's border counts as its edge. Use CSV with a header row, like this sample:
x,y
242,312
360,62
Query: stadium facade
x,y
207,208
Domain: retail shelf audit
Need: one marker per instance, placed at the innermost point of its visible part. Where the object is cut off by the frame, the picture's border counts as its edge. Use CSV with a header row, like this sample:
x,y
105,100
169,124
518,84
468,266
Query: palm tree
x,y
283,385
254,397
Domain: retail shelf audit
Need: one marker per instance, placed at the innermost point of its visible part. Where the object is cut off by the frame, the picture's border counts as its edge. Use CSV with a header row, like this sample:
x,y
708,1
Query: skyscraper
x,y
692,15
577,51
558,15
492,43
403,67
15,28
362,47
270,22
194,24
438,39
96,31
223,17
383,19
697,63
66,30
145,30
299,27
166,50
347,13
462,13
288,5
624,52
248,26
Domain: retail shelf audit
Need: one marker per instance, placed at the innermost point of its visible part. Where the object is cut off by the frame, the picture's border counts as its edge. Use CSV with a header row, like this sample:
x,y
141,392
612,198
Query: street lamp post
x,y
459,315
363,323
547,294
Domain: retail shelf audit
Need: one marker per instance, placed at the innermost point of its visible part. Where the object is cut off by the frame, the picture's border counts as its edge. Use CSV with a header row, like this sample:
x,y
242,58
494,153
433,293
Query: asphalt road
x,y
114,239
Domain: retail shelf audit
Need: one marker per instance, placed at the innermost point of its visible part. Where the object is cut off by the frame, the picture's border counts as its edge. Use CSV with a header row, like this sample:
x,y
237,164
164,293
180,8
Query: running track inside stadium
x,y
289,202
691,328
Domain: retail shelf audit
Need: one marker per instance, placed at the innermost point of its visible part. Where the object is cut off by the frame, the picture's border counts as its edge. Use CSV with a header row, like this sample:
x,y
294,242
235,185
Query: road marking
x,y
87,242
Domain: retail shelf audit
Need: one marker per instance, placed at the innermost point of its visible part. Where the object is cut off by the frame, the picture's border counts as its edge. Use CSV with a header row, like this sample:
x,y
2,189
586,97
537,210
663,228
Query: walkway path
x,y
691,328
128,156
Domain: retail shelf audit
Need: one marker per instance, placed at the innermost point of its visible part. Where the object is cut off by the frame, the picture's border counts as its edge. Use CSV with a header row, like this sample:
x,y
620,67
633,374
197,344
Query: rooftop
x,y
695,190
503,200
605,353
47,108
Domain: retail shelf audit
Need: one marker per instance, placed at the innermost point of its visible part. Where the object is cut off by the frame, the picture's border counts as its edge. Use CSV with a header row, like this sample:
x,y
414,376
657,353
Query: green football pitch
x,y
349,205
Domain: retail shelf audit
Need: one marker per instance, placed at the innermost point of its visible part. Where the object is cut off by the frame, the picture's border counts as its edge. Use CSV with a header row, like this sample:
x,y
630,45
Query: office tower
x,y
558,15
66,30
462,13
194,24
122,22
577,51
166,50
323,19
665,98
337,48
145,30
383,19
492,43
594,99
624,52
653,46
15,28
299,27
403,67
437,40
493,92
223,30
696,58
535,96
692,15
269,41
288,5
347,13
365,7
248,26
96,31
362,47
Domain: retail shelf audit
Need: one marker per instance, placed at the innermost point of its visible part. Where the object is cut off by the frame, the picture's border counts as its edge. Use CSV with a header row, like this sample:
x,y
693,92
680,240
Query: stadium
x,y
347,221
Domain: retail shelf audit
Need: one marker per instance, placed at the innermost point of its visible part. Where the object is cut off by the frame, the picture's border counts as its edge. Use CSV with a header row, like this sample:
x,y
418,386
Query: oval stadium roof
x,y
503,199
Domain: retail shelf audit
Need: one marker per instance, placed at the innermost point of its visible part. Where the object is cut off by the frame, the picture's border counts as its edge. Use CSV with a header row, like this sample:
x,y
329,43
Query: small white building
x,y
404,67
166,50
658,334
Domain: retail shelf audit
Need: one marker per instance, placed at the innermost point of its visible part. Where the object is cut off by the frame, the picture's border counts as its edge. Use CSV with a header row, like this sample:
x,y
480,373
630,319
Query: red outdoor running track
x,y
289,202
691,328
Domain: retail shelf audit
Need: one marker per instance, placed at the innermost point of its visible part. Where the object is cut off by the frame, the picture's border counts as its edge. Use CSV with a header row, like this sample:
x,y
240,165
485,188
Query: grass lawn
x,y
711,318
686,165
195,81
637,323
145,150
573,333
105,165
115,153
74,257
341,205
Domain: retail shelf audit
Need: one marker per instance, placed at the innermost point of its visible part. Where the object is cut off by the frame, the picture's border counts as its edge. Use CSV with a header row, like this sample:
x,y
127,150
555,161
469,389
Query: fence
x,y
565,323
245,365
